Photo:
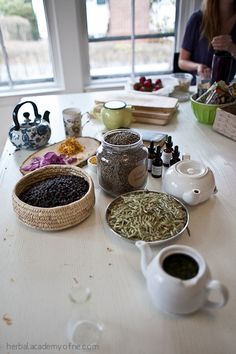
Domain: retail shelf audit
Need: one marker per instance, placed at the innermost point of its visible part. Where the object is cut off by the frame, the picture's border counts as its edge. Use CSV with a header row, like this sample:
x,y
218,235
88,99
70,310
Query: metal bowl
x,y
117,200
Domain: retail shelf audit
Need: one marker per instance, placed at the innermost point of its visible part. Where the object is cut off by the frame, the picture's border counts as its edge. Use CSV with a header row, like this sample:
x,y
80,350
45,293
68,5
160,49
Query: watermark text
x,y
50,347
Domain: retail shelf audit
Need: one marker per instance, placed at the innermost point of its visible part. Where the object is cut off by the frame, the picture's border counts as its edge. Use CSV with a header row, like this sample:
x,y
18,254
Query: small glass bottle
x,y
167,152
151,155
157,164
175,156
186,156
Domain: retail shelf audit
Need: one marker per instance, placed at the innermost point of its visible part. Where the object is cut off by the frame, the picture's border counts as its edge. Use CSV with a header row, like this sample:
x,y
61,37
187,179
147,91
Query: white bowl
x,y
183,80
92,164
167,81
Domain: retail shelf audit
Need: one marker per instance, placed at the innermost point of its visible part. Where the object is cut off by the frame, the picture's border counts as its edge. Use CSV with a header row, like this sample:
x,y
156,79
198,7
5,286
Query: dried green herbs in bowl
x,y
150,216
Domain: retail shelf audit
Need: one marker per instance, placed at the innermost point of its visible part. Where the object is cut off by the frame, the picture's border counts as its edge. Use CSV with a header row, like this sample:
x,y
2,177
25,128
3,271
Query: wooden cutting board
x,y
152,114
148,102
154,111
90,147
154,121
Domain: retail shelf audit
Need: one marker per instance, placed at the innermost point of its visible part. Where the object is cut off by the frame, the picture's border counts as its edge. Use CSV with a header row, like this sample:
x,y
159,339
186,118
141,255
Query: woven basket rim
x,y
52,167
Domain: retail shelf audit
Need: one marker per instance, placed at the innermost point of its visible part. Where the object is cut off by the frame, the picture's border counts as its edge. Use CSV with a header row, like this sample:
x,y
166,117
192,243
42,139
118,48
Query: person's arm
x,y
185,63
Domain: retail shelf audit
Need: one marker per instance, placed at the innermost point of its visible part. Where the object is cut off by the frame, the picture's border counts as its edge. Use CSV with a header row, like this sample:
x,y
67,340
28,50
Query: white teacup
x,y
72,118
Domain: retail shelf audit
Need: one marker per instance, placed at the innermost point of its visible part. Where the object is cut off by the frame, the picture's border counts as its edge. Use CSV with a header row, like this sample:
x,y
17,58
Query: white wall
x,y
6,118
187,7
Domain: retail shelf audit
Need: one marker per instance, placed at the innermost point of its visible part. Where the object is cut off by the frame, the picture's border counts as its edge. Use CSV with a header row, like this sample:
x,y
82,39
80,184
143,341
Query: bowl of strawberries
x,y
162,85
147,84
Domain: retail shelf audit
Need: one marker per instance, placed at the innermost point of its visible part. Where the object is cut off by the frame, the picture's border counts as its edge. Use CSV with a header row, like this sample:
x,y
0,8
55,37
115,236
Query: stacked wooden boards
x,y
149,109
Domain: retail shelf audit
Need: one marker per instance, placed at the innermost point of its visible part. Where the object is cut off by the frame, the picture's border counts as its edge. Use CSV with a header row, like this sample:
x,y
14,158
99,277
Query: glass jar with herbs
x,y
122,162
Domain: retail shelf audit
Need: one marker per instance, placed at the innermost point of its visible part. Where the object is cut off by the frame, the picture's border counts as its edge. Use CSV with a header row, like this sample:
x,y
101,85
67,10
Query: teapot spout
x,y
46,116
192,197
146,255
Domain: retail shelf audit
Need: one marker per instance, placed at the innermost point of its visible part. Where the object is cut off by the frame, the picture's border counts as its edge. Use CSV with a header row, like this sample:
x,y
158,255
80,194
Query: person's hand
x,y
222,42
203,71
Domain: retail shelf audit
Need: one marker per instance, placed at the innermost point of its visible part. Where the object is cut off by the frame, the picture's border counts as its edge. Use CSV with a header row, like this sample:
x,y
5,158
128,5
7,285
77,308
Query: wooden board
x,y
160,103
153,115
90,147
153,121
147,109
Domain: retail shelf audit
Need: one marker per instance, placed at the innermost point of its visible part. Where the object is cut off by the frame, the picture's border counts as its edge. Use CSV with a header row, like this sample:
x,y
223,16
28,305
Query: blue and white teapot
x,y
31,134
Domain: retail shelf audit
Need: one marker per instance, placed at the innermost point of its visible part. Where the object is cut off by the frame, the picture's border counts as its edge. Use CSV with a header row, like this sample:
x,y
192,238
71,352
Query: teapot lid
x,y
191,168
115,104
27,122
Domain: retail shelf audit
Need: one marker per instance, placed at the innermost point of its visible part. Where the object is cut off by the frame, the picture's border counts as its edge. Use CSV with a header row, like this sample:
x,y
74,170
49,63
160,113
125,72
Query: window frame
x,y
134,37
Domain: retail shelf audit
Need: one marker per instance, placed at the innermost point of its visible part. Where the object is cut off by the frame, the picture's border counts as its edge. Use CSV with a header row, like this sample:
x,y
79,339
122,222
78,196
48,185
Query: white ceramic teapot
x,y
189,181
178,279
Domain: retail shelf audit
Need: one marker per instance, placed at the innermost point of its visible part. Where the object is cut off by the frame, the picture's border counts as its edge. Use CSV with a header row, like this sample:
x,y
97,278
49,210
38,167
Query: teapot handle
x,y
216,285
16,110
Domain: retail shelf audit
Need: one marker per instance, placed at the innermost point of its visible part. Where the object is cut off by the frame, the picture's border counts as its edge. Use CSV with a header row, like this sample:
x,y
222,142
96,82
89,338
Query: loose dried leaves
x,y
147,216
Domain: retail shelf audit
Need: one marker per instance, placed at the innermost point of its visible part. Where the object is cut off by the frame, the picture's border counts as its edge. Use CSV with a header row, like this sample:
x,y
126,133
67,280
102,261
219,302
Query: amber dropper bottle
x,y
157,164
175,156
167,152
151,155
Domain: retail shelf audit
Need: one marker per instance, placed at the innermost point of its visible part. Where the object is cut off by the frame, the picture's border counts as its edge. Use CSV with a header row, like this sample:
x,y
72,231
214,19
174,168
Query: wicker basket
x,y
56,218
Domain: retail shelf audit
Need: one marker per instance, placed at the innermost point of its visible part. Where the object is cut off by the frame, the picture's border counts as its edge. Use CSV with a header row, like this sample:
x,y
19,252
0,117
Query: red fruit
x,y
158,82
142,79
147,84
157,87
137,86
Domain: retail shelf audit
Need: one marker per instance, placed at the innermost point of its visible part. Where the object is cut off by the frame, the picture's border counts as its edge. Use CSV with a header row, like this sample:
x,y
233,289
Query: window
x,y
112,52
24,47
84,40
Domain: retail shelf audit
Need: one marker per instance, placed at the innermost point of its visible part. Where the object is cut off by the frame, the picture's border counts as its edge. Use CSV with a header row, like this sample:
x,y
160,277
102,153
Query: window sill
x,y
30,91
12,97
105,85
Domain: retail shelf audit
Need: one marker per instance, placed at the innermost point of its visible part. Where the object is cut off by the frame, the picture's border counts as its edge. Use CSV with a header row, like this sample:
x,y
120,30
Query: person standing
x,y
213,28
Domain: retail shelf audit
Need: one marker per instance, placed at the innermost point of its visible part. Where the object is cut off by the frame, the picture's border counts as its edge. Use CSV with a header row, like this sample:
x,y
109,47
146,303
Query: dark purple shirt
x,y
198,46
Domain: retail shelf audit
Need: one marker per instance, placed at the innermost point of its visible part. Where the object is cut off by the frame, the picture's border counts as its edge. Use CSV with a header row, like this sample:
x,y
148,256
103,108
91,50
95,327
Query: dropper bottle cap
x,y
176,151
175,155
158,151
169,142
151,148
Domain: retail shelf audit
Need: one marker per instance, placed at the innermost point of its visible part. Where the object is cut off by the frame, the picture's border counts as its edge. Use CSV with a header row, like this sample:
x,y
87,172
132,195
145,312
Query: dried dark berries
x,y
55,191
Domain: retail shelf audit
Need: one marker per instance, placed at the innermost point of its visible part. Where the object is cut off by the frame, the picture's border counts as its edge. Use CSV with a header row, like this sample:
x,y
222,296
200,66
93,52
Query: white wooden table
x,y
38,269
